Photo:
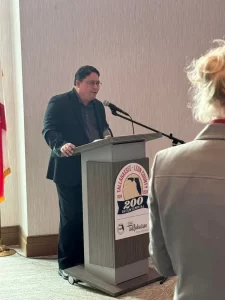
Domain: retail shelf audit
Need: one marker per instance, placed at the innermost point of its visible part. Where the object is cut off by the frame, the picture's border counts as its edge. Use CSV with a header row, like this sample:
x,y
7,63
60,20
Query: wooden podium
x,y
115,215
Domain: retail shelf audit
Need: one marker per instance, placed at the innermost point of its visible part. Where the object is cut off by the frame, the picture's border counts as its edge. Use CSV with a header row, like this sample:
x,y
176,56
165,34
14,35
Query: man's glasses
x,y
92,83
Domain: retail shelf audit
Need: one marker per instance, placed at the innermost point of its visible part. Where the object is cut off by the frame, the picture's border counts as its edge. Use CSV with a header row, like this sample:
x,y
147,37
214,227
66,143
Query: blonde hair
x,y
207,78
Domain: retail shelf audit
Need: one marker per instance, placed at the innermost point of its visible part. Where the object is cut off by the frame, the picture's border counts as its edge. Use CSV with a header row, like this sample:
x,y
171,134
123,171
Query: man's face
x,y
88,88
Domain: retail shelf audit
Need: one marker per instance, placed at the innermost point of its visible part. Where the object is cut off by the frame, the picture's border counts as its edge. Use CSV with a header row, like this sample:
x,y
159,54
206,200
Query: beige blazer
x,y
187,215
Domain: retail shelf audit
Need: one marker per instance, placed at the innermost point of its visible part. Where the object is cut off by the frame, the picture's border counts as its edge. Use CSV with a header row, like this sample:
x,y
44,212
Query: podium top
x,y
117,140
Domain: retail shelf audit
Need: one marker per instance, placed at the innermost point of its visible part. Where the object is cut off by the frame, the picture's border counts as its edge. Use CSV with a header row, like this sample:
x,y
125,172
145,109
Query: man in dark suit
x,y
71,120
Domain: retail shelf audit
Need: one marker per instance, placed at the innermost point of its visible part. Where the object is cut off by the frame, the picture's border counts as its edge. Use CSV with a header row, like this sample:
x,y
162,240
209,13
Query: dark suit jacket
x,y
63,115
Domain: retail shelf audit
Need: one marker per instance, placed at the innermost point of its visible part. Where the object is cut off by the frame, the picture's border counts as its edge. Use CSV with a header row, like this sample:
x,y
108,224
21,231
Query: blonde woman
x,y
187,192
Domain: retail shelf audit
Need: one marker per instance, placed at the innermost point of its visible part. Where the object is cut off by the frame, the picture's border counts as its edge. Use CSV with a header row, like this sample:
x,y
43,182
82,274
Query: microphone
x,y
114,107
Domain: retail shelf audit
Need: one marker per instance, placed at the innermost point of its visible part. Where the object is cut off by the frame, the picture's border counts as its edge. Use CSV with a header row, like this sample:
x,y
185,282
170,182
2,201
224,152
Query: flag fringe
x,y
6,173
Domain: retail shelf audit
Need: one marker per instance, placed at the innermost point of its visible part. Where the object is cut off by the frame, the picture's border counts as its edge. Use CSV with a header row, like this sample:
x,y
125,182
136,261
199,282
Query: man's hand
x,y
67,149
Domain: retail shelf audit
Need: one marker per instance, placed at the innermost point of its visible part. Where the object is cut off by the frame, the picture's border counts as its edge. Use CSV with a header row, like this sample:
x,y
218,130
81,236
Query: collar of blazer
x,y
76,104
213,131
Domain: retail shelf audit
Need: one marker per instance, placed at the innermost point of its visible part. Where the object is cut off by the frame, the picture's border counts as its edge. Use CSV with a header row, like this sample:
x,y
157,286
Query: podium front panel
x,y
126,258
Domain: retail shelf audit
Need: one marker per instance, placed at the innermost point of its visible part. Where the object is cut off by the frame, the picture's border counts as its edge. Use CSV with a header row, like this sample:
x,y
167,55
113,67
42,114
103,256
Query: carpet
x,y
36,279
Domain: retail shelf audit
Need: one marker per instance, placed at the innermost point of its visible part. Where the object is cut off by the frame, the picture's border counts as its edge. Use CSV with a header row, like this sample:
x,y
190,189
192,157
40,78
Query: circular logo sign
x,y
131,188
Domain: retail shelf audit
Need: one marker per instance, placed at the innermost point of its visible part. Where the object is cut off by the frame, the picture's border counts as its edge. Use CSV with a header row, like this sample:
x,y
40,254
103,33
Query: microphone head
x,y
106,103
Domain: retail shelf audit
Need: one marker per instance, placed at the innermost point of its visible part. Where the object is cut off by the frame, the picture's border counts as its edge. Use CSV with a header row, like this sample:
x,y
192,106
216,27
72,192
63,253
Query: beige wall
x,y
140,48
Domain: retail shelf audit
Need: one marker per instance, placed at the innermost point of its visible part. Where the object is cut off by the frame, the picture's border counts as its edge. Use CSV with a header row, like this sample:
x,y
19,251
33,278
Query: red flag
x,y
4,162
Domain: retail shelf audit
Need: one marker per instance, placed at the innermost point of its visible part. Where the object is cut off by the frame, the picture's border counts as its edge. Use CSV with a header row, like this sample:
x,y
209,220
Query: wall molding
x,y
31,246
10,235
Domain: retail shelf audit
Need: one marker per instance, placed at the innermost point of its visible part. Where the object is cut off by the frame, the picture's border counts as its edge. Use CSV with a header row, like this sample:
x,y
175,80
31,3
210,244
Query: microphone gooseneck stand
x,y
175,142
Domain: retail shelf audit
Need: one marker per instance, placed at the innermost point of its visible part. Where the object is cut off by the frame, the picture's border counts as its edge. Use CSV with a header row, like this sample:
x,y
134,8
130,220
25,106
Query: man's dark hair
x,y
83,72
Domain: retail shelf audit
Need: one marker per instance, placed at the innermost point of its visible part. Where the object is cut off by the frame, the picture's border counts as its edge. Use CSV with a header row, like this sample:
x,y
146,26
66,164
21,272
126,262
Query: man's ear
x,y
78,82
